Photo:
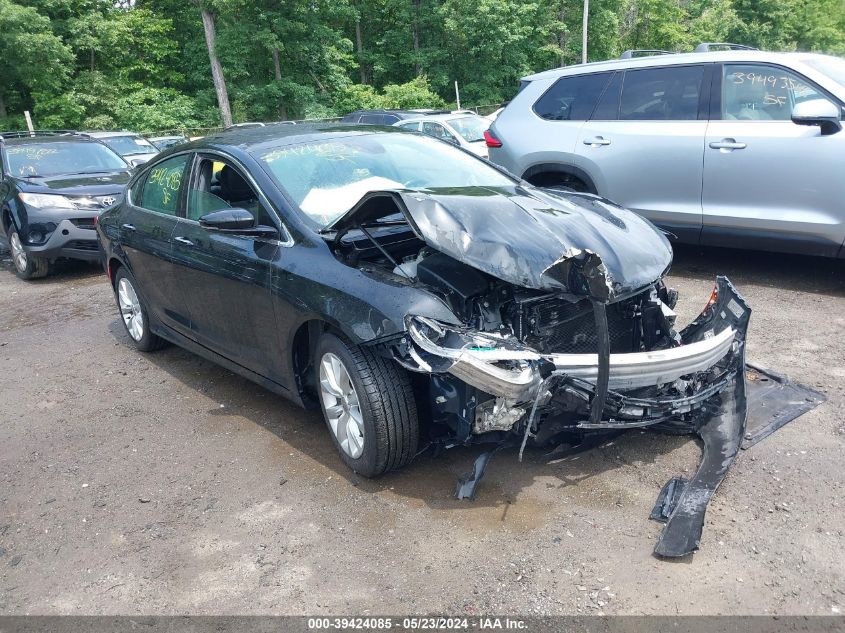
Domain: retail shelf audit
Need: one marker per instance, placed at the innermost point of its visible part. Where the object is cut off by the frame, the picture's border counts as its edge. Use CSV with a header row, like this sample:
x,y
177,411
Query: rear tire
x,y
368,405
27,266
133,313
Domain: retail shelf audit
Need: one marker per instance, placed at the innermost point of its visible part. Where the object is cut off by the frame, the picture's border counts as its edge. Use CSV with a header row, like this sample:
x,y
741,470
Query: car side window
x,y
661,94
608,106
164,181
372,119
218,185
754,92
438,131
390,119
414,126
572,98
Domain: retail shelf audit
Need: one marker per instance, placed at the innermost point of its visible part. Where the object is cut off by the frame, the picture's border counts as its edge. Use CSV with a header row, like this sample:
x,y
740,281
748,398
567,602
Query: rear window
x,y
129,145
572,98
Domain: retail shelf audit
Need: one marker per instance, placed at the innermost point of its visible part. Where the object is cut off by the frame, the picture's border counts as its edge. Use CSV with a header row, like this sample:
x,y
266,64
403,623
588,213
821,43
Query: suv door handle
x,y
183,240
596,141
128,227
727,143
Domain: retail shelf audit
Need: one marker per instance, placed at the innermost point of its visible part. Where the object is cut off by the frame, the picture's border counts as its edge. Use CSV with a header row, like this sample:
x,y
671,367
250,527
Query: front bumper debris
x,y
698,387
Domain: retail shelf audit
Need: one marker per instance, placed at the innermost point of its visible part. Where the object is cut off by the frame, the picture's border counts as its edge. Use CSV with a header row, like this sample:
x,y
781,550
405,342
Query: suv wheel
x,y
133,313
26,265
368,405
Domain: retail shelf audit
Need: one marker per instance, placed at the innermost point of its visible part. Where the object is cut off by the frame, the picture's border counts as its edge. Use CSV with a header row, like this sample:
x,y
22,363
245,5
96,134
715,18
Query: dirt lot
x,y
160,483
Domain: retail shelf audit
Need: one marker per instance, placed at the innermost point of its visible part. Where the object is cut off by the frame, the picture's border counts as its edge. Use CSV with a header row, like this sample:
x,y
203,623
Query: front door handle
x,y
727,144
128,227
596,141
184,240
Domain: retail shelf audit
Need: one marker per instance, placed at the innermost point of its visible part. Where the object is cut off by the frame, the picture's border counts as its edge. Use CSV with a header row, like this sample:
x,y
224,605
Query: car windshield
x,y
53,159
833,67
128,145
327,178
471,128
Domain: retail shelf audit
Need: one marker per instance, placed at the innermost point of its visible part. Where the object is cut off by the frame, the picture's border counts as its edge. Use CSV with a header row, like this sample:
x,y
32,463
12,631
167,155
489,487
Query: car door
x,y
644,143
225,275
147,221
769,183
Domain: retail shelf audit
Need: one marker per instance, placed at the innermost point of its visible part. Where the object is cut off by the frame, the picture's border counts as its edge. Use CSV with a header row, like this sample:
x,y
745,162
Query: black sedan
x,y
421,296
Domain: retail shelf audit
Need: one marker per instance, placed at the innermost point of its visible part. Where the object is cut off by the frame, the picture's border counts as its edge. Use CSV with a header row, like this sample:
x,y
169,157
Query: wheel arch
x,y
558,173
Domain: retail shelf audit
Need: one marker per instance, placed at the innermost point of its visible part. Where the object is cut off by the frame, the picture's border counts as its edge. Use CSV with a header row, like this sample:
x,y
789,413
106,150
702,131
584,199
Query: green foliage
x,y
145,65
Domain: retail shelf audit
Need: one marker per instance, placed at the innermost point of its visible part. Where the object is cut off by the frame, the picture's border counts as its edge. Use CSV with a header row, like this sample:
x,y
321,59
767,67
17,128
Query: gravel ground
x,y
162,484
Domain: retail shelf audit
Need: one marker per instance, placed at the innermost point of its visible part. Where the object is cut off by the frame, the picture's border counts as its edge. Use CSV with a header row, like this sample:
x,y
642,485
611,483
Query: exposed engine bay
x,y
554,351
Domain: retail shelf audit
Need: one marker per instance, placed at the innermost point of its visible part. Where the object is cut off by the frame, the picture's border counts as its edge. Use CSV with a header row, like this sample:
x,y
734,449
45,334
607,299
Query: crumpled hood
x,y
541,239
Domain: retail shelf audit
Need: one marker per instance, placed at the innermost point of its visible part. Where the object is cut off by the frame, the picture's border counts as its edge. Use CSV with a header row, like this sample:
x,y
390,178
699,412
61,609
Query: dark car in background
x,y
420,296
52,188
387,117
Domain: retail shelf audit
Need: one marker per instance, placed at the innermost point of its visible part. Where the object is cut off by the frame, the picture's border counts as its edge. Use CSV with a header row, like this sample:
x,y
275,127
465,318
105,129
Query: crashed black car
x,y
53,185
422,297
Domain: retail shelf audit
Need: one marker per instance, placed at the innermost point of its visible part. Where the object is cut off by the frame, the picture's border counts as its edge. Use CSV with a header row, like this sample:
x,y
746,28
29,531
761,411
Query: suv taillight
x,y
491,140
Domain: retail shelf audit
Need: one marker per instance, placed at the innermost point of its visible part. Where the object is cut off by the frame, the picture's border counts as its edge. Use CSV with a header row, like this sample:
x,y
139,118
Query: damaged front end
x,y
564,331
644,374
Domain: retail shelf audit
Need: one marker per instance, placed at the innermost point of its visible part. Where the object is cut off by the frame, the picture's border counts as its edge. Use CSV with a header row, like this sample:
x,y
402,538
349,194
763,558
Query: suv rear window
x,y
572,98
661,94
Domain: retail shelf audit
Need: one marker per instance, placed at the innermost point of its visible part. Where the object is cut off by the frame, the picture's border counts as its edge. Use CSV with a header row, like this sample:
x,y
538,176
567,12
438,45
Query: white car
x,y
463,130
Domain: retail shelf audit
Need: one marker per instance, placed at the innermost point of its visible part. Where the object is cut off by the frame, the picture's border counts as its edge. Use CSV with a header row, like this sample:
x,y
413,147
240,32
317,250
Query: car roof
x,y
109,134
672,59
443,117
280,135
46,138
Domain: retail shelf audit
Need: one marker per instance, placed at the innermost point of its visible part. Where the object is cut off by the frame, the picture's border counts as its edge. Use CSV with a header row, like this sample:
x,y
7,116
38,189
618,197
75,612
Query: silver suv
x,y
738,147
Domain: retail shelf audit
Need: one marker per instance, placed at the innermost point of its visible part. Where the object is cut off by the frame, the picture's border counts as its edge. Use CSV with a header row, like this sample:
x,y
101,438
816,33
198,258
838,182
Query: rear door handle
x,y
596,141
183,240
727,143
128,227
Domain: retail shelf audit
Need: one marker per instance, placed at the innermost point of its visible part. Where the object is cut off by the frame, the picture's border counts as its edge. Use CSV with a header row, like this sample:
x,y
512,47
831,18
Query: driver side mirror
x,y
228,220
818,112
238,221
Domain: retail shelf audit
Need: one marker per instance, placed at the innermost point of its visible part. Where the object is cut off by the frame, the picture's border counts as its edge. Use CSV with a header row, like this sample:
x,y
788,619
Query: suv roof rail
x,y
706,47
27,134
636,52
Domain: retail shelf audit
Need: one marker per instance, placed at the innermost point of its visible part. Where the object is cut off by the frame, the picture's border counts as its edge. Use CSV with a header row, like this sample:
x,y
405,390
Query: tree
x,y
32,58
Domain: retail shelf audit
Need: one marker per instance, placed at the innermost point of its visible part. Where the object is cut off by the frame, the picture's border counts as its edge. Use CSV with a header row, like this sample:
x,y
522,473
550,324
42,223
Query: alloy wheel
x,y
130,309
18,252
343,409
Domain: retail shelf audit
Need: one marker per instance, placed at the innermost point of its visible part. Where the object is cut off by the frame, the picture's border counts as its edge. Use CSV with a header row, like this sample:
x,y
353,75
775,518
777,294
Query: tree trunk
x,y
277,70
216,68
277,67
417,64
359,46
3,113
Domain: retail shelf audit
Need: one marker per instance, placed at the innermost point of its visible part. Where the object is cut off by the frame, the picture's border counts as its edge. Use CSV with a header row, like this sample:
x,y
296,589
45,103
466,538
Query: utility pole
x,y
584,23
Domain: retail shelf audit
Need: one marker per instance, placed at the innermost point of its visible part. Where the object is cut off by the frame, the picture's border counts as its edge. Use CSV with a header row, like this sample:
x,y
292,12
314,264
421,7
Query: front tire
x,y
134,313
26,265
368,405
